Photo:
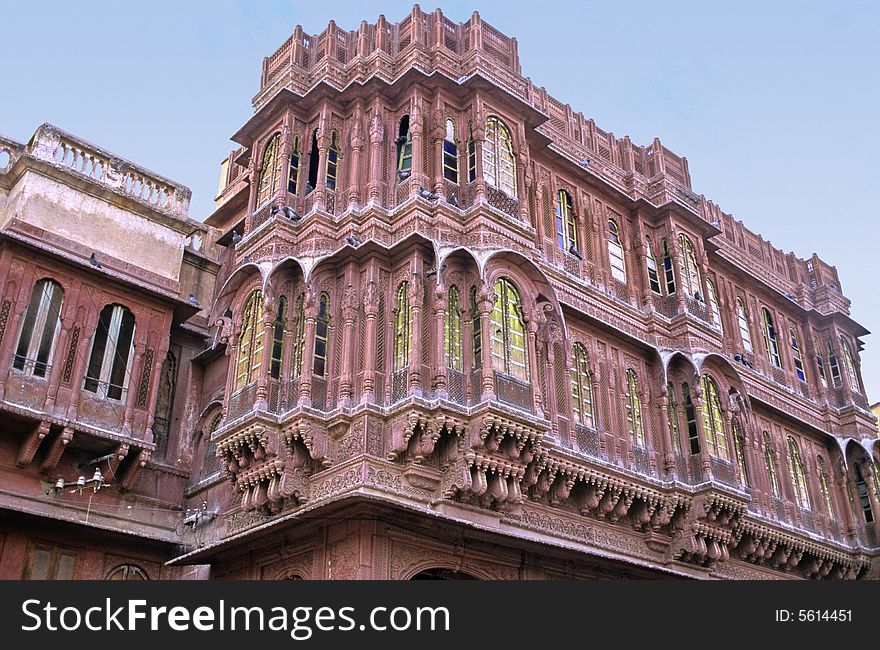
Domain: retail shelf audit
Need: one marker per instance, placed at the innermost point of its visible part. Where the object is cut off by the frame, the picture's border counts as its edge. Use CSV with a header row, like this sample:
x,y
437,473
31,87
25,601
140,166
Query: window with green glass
x,y
672,415
499,164
507,330
739,450
476,330
690,417
770,464
849,365
824,485
713,421
402,328
744,332
278,339
668,269
798,476
833,365
771,343
634,422
333,160
322,337
615,252
404,149
582,387
293,166
450,153
298,340
270,170
566,226
452,334
249,356
690,270
651,261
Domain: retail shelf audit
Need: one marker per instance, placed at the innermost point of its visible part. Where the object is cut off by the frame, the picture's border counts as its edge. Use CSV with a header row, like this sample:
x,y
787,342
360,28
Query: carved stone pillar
x,y
479,134
371,307
349,349
440,309
485,303
416,297
261,401
310,312
377,138
532,327
357,145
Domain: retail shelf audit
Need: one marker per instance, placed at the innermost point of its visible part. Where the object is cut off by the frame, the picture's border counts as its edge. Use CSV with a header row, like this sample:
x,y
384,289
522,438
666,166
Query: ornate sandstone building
x,y
439,325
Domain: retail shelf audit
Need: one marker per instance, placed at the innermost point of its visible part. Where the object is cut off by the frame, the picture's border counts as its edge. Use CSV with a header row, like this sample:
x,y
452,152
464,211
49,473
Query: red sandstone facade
x,y
439,325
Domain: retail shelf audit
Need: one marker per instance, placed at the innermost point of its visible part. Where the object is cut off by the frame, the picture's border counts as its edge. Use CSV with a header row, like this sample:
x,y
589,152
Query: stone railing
x,y
63,150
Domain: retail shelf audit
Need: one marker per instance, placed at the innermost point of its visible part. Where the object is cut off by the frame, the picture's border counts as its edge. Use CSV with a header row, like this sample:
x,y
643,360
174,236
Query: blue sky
x,y
775,104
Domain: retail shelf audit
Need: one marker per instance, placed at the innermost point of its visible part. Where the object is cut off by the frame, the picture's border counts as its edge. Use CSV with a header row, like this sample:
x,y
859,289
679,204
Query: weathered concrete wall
x,y
95,224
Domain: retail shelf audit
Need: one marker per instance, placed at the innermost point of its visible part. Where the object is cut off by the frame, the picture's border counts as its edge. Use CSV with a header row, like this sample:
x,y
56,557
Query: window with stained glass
x,y
250,341
402,328
798,476
270,170
634,422
452,333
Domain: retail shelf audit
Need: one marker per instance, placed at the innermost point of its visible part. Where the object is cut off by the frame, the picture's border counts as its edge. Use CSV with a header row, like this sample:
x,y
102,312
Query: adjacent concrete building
x,y
440,325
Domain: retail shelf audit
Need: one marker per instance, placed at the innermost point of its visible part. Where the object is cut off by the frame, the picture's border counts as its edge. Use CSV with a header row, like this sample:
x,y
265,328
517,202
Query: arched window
x,y
668,270
278,339
651,262
39,329
164,405
476,330
714,312
112,350
314,155
270,170
566,226
826,490
713,421
798,476
298,340
771,344
740,451
690,416
404,149
507,331
672,415
322,337
293,167
864,497
770,463
452,334
211,462
402,328
332,160
744,333
850,366
634,410
833,365
472,155
615,252
450,153
796,355
820,364
582,387
499,165
690,271
250,341
127,572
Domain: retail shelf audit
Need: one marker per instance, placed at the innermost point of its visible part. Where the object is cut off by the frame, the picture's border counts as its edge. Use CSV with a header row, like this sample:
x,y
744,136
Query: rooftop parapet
x,y
85,160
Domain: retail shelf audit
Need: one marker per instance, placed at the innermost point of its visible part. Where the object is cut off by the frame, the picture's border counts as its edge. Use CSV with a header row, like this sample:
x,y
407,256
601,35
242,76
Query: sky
x,y
774,104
